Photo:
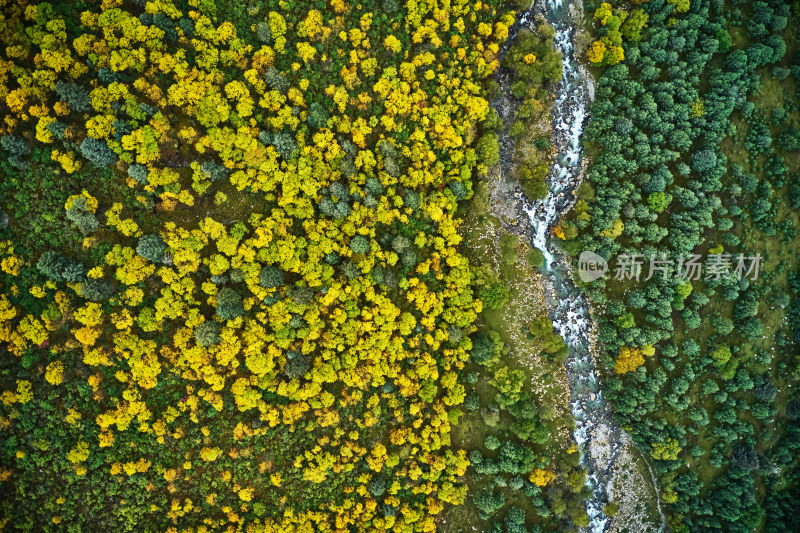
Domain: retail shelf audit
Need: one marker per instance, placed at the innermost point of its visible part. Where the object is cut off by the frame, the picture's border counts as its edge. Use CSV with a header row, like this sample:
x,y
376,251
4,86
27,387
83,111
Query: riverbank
x,y
497,236
595,457
607,452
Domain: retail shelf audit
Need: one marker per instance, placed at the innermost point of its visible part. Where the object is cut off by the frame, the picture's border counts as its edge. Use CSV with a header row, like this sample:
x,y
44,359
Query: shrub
x,y
532,177
519,89
270,277
543,143
152,248
517,129
207,333
495,295
488,149
508,249
229,304
535,258
509,385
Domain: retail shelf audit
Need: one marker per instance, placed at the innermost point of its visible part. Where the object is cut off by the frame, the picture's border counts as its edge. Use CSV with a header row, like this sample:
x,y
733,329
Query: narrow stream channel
x,y
596,433
601,441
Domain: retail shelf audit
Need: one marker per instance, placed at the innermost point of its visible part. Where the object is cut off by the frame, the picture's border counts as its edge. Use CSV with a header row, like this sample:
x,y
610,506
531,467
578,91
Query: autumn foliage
x,y
268,298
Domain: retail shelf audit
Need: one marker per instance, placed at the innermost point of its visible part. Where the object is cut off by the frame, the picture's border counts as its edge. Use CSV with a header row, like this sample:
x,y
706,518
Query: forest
x,y
235,290
274,265
692,139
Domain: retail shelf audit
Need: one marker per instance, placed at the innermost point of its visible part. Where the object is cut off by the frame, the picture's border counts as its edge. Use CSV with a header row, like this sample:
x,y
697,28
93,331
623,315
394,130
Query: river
x,y
601,442
595,432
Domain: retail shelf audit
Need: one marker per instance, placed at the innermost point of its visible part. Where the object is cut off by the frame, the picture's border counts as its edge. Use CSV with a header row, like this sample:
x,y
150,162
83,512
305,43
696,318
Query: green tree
x,y
488,149
229,304
359,244
152,248
207,333
270,277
